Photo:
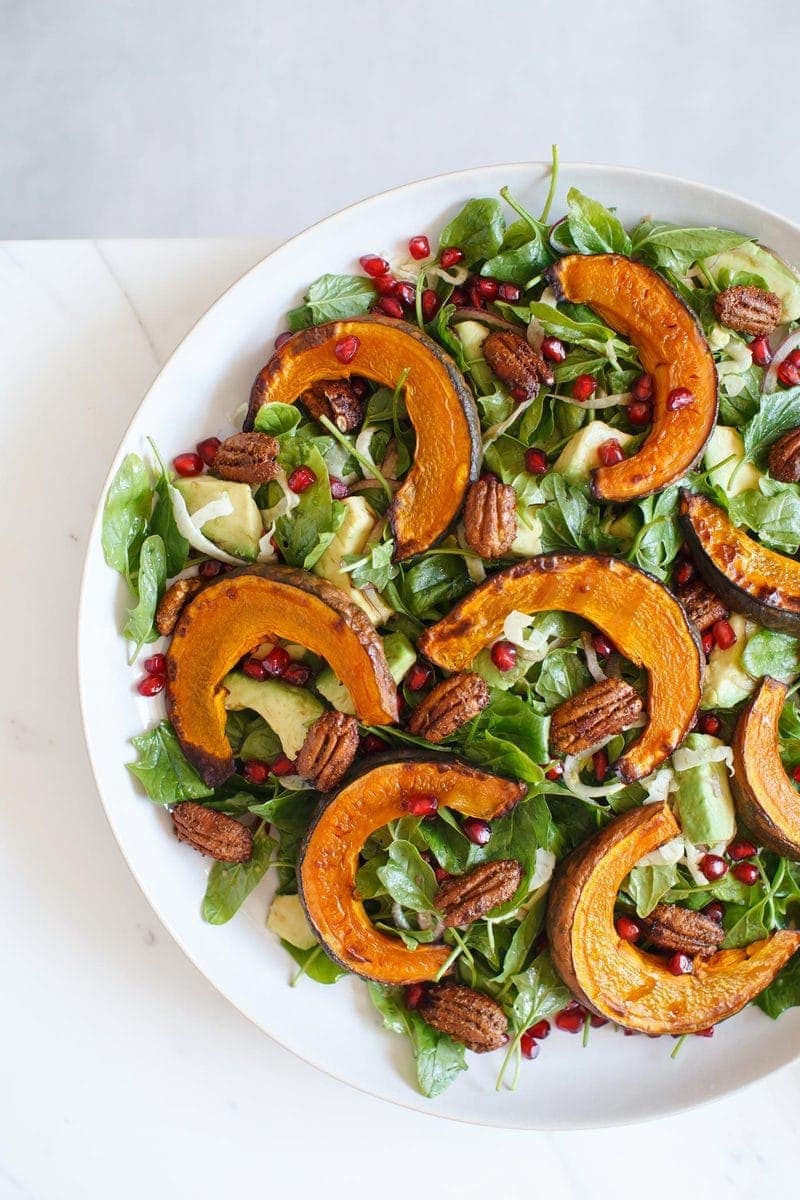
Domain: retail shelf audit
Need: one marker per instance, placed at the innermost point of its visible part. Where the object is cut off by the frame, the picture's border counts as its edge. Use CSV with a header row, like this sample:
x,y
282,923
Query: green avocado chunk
x,y
704,799
288,710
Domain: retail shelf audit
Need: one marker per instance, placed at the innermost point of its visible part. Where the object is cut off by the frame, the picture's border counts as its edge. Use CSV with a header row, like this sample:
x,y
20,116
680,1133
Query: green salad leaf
x,y
277,419
676,248
229,884
439,1060
126,514
771,653
150,582
477,230
772,511
333,298
162,768
594,228
777,413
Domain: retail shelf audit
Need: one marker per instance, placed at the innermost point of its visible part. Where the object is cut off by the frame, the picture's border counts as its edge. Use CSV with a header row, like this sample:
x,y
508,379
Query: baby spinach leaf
x,y
477,230
315,963
229,884
375,568
769,653
523,939
778,413
277,419
333,298
509,735
260,743
176,547
783,992
125,515
676,248
523,262
439,1059
162,769
594,228
434,581
151,578
772,511
304,534
408,879
647,885
562,676
540,993
659,539
567,519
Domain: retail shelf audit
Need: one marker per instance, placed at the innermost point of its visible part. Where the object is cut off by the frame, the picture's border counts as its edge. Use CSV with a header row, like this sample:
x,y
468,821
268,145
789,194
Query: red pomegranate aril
x,y
419,247
451,257
632,1032
540,1030
255,668
628,929
683,573
711,724
536,461
459,297
188,465
413,994
373,265
442,876
475,298
584,387
715,910
301,479
761,351
708,642
282,766
488,288
489,477
640,412
504,656
643,388
151,685
746,873
679,397
601,645
156,664
793,357
553,349
597,1022
528,1045
347,348
385,284
282,338
207,449
255,771
421,804
406,293
477,831
713,867
600,765
298,674
570,1020
276,662
680,964
418,677
372,744
739,850
520,394
210,569
509,292
796,774
724,634
430,304
788,373
390,306
554,773
705,1032
339,489
610,452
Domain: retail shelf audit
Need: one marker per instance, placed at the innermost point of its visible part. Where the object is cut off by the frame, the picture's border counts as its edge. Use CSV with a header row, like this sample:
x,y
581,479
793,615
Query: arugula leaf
x,y
333,298
277,419
408,879
125,515
775,654
783,992
778,413
376,568
304,534
676,248
772,511
594,228
439,1059
477,230
161,768
315,963
151,579
229,884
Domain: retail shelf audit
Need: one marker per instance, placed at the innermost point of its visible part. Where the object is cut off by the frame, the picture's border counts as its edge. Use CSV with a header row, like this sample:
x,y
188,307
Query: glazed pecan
x,y
598,712
703,606
784,457
466,898
490,517
212,832
247,458
516,364
748,309
671,927
337,400
470,1017
328,750
171,603
448,706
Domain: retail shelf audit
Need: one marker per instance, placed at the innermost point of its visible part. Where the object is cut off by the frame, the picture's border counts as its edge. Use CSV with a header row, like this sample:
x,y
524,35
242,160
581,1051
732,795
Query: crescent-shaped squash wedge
x,y
765,798
622,982
440,405
749,578
328,863
637,303
251,605
644,621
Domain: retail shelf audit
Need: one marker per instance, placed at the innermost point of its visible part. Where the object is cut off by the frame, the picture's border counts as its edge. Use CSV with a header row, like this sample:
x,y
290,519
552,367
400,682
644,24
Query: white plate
x,y
614,1080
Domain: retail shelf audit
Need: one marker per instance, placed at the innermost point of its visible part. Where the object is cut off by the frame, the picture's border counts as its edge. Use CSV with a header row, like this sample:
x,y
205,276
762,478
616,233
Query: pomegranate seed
x,y
521,394
489,477
793,357
339,490
475,298
207,449
255,771
430,304
413,994
761,351
602,645
406,293
151,685
418,677
210,569
419,247
188,465
643,388
683,573
709,723
789,373
298,674
282,766
705,1032
347,348
451,256
276,662
640,412
283,338
680,964
373,265
631,1032
713,867
584,387
421,804
715,910
724,634
504,656
385,284
372,744
796,774
488,288
509,292
390,307
739,850
528,1045
570,1020
628,929
459,297
301,479
553,349
597,1022
600,765
254,668
479,832
610,452
679,397
540,1030
156,664
536,461
554,773
442,876
708,643
745,872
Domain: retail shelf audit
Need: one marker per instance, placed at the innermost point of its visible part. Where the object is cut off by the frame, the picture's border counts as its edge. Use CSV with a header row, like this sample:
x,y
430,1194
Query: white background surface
x,y
127,1076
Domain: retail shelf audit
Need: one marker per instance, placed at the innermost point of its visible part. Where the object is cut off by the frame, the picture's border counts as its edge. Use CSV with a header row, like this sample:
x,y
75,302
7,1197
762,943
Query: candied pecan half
x,y
598,712
516,364
470,1017
703,606
671,927
337,400
247,458
448,706
784,457
748,309
172,602
466,898
328,750
212,832
490,517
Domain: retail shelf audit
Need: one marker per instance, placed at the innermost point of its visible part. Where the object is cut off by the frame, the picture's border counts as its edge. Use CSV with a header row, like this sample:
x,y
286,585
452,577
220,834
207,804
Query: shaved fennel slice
x,y
190,526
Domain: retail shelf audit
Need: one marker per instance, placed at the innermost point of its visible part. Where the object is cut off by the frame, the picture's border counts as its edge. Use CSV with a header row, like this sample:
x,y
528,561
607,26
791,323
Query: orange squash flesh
x,y
765,798
637,303
618,980
644,621
226,620
440,405
749,578
329,859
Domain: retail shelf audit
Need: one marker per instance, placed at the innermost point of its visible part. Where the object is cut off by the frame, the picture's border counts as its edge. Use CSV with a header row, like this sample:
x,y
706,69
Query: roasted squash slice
x,y
328,863
749,578
765,798
248,606
637,303
440,405
644,621
618,980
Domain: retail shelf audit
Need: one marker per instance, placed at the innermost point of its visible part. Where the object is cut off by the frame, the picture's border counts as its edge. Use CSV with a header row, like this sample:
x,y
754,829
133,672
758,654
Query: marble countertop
x,y
126,1074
